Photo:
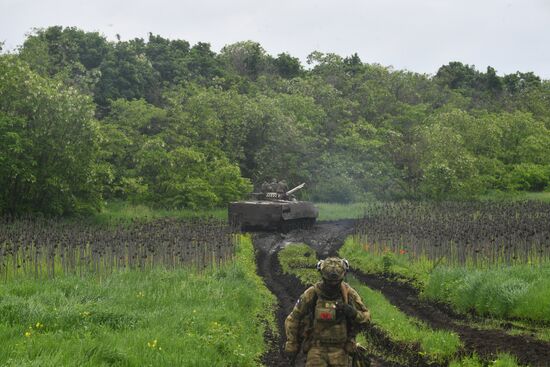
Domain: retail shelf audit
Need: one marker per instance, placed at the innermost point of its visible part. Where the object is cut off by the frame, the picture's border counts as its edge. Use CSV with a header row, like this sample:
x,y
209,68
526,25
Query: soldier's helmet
x,y
333,269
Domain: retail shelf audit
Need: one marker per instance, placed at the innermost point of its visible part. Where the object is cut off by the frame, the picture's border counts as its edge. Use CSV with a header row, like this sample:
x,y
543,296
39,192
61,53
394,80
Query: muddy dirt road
x,y
326,238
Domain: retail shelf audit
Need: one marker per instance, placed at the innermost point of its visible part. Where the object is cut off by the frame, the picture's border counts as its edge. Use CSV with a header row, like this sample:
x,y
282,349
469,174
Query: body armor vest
x,y
328,327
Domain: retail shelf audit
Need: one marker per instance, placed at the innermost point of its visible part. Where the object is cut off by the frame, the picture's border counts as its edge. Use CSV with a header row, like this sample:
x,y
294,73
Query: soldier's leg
x,y
317,357
338,357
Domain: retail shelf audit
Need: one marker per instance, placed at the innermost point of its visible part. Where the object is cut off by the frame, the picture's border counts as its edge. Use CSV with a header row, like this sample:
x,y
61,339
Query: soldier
x,y
282,187
265,187
272,186
326,319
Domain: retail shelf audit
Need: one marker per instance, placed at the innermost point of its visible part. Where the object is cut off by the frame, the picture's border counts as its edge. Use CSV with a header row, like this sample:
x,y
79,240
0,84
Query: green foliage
x,y
287,66
530,177
351,130
161,318
126,73
68,54
123,211
466,155
142,144
48,159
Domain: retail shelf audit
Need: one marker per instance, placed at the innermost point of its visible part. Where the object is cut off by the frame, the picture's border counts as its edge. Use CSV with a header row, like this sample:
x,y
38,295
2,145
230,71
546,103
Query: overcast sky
x,y
420,35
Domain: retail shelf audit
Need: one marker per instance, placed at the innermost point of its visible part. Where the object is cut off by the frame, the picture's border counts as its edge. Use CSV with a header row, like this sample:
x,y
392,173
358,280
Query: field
x,y
448,284
133,317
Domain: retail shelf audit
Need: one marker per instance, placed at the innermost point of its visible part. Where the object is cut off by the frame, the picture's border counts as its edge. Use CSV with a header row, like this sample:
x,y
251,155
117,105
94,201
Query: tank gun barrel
x,y
292,191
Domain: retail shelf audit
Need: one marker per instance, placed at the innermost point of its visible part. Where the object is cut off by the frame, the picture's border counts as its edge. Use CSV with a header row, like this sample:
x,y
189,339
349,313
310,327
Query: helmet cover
x,y
333,269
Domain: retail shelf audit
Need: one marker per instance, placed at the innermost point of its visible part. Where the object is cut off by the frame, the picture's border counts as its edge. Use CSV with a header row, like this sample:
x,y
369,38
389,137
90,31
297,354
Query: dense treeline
x,y
163,122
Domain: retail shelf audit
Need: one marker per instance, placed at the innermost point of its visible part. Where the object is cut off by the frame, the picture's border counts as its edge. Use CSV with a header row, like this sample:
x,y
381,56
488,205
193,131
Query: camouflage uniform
x,y
326,319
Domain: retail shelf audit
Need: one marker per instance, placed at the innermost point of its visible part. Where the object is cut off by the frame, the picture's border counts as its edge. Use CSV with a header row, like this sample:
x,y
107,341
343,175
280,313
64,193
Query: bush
x,y
529,177
49,144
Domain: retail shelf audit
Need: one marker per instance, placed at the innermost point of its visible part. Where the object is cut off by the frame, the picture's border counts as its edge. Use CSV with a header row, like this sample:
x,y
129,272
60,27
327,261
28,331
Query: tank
x,y
273,209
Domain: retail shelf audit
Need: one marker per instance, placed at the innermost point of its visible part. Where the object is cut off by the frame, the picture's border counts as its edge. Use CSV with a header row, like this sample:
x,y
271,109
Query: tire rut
x,y
288,288
326,238
485,342
285,287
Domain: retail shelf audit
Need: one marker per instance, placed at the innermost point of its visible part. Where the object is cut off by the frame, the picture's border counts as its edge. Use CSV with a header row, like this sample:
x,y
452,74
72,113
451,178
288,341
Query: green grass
x,y
333,211
516,196
153,318
300,261
376,261
436,346
121,211
518,291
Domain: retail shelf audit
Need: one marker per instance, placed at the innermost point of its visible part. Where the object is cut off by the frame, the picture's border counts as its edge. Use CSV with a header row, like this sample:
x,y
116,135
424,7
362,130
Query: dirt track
x,y
326,238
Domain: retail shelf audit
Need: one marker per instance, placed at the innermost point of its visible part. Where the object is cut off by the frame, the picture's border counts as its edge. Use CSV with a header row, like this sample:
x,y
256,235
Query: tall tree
x,y
48,158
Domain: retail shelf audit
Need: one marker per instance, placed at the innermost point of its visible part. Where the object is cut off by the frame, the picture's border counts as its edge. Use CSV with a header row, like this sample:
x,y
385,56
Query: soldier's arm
x,y
363,314
293,320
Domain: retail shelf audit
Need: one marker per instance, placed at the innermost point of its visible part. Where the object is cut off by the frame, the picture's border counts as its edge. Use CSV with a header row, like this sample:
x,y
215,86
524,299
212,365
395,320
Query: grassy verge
x,y
397,264
334,211
516,196
518,291
121,211
434,346
132,318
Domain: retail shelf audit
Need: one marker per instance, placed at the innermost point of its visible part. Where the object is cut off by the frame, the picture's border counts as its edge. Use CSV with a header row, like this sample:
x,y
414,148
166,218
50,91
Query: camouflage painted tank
x,y
273,210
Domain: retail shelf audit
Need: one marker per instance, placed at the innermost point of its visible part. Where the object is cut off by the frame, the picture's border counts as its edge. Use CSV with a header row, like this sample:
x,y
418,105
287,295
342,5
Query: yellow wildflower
x,y
28,334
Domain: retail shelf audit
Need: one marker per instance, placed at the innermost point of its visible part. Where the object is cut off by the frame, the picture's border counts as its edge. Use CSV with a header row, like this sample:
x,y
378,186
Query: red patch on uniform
x,y
325,316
